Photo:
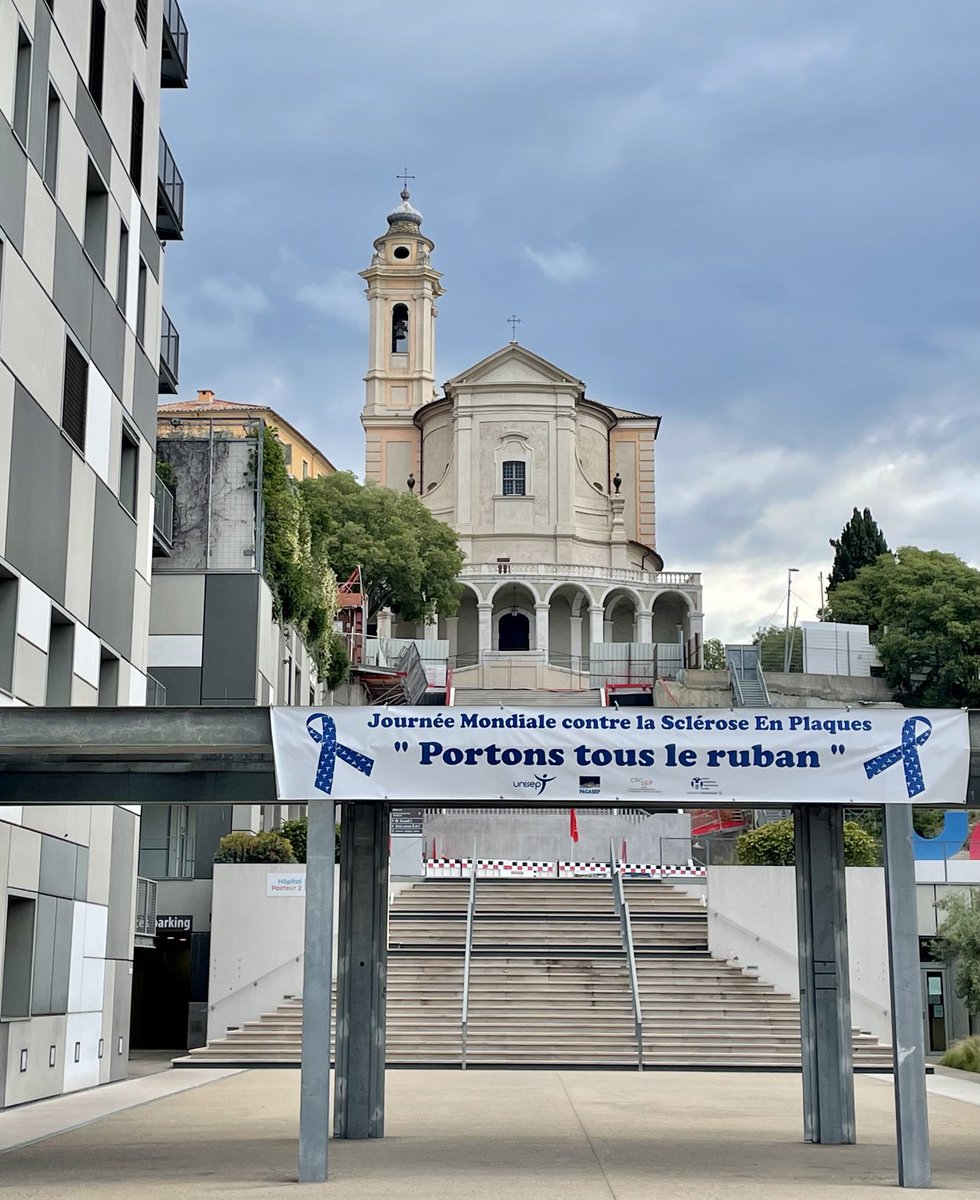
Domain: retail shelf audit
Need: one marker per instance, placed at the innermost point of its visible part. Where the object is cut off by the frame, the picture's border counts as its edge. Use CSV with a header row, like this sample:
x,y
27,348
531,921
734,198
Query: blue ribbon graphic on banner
x,y
907,753
322,729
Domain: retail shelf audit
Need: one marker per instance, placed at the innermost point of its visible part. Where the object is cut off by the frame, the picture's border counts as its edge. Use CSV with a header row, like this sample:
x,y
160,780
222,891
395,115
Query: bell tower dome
x,y
402,289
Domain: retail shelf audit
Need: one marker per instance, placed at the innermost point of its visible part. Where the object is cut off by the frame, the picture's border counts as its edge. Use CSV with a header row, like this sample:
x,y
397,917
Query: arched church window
x,y
514,478
399,329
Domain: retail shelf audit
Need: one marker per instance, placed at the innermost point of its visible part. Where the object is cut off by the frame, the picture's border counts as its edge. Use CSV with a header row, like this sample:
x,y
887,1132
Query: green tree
x,y
296,831
714,655
923,608
772,648
304,588
861,543
958,943
774,845
409,560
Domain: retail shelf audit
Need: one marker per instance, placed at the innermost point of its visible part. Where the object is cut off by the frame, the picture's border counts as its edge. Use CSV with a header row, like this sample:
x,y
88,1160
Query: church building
x,y
552,494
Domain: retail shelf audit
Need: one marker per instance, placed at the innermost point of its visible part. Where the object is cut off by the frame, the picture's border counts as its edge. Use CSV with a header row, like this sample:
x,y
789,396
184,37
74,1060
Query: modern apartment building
x,y
89,194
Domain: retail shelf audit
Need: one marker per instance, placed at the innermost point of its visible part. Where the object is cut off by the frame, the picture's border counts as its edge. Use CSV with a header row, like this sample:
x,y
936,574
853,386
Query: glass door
x,y
935,987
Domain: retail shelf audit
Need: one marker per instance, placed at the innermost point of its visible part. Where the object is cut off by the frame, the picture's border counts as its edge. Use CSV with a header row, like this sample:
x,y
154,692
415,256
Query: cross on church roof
x,y
513,322
405,177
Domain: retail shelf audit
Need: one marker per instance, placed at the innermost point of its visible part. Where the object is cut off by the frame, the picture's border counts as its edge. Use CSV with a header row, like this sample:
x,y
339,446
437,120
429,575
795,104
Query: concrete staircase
x,y
511,697
549,986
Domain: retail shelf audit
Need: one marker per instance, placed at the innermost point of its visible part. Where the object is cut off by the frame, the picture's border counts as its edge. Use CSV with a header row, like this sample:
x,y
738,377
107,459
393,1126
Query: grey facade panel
x,y
13,187
122,998
212,823
59,863
108,338
74,277
61,968
93,130
183,684
37,122
146,394
119,935
81,873
231,620
44,940
113,576
150,247
38,501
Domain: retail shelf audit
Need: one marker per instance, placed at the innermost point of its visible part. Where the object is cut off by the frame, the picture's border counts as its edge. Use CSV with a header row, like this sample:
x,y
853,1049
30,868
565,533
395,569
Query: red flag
x,y
572,825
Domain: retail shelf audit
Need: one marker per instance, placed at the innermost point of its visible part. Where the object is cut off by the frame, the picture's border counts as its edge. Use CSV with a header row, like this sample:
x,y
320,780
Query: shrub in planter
x,y
774,845
964,1055
268,847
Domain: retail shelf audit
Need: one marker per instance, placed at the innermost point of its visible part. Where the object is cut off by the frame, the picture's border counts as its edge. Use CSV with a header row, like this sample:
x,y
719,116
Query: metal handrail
x,y
626,929
735,682
762,683
257,980
467,957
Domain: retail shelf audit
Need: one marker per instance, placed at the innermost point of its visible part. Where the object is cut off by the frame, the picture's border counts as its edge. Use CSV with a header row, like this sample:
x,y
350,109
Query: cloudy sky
x,y
756,218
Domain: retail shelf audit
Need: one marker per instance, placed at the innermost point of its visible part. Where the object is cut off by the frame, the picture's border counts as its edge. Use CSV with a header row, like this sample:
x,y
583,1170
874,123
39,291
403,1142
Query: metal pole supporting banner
x,y
911,1114
825,997
314,1103
359,1080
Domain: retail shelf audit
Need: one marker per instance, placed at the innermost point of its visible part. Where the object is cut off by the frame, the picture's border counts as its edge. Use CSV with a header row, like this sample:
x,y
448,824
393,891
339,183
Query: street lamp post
x,y
790,572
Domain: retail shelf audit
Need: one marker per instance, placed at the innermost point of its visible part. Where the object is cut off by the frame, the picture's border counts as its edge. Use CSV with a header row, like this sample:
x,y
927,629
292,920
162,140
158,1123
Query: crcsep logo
x,y
537,784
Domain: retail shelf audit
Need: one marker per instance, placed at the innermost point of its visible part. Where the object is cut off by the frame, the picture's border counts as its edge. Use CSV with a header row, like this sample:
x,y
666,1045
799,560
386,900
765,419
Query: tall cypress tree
x,y
860,543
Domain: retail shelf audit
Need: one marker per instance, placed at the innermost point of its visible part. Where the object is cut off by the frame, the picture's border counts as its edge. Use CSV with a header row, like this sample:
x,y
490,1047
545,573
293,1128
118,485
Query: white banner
x,y
767,758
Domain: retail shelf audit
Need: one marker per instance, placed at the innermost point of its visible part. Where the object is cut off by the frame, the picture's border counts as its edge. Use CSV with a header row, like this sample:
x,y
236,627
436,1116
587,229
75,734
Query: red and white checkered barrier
x,y
509,868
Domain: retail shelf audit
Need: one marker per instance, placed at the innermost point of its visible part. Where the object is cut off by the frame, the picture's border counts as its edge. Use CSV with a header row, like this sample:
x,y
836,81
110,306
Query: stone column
x,y
430,631
541,611
384,623
575,648
452,634
485,612
644,626
596,624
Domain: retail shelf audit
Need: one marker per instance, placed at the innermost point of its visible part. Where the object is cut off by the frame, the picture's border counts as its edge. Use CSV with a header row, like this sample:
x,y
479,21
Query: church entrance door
x,y
514,632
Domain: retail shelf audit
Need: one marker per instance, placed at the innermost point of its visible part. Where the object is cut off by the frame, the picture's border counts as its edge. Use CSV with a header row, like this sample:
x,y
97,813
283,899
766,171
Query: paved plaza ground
x,y
567,1135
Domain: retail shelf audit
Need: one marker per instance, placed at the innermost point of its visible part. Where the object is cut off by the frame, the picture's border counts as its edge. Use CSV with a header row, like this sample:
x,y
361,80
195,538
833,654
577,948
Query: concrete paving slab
x,y
546,1135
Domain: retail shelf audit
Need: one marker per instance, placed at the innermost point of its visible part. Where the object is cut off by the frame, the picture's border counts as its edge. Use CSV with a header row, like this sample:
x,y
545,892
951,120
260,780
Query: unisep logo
x,y
537,784
588,785
700,784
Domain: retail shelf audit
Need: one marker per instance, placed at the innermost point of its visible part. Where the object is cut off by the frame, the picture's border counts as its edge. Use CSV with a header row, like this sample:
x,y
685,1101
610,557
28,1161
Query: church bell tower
x,y
402,289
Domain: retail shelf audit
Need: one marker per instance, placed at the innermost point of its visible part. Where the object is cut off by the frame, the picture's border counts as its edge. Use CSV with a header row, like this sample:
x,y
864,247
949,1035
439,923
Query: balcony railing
x,y
163,518
169,356
156,693
170,197
173,66
582,571
146,908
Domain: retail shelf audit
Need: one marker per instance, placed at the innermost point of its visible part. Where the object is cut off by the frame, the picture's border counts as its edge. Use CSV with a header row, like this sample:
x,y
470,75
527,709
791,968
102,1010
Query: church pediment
x,y
514,364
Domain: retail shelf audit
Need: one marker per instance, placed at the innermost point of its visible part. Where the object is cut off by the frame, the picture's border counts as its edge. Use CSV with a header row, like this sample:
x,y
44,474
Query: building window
x,y
399,329
129,470
180,841
141,304
108,679
8,628
52,131
96,218
18,957
122,271
75,397
96,52
61,647
22,84
136,140
141,17
306,469
514,478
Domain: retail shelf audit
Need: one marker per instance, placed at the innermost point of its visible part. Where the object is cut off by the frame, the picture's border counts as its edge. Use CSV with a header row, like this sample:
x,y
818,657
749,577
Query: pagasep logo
x,y
588,785
537,784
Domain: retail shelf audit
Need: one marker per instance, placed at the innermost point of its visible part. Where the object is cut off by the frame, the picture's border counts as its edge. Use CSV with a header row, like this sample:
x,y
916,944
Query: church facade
x,y
552,493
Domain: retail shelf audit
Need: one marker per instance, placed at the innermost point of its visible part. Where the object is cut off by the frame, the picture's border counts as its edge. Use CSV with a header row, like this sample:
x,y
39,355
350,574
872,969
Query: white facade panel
x,y
33,614
13,814
175,650
96,920
88,655
82,1037
98,426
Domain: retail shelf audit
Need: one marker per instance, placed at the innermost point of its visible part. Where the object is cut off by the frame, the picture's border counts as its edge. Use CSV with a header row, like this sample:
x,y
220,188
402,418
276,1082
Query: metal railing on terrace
x,y
163,517
173,65
156,693
170,196
146,908
169,355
